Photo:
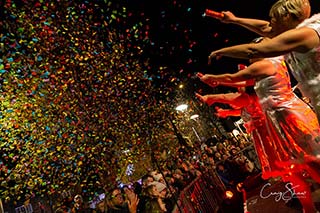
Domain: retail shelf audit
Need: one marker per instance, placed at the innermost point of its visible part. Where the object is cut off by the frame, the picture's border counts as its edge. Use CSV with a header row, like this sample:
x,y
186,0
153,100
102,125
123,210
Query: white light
x,y
235,132
193,117
182,107
126,151
228,194
130,169
239,122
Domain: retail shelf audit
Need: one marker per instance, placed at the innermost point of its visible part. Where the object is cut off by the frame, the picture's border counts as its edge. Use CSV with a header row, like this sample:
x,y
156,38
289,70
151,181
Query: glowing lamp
x,y
182,107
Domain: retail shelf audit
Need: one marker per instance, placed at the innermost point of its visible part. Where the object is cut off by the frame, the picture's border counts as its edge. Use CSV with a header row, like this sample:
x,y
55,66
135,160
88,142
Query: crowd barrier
x,y
33,206
204,194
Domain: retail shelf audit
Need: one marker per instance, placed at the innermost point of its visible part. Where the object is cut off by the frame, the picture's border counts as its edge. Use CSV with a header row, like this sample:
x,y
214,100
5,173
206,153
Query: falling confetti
x,y
83,83
76,92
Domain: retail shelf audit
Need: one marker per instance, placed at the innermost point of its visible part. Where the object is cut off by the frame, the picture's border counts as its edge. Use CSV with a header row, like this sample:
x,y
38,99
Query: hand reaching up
x,y
133,202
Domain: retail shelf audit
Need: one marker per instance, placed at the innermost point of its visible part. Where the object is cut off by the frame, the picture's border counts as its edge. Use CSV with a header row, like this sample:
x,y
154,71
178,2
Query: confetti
x,y
77,90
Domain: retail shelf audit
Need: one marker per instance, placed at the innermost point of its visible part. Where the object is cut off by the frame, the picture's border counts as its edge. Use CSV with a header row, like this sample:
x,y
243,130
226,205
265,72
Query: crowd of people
x,y
229,160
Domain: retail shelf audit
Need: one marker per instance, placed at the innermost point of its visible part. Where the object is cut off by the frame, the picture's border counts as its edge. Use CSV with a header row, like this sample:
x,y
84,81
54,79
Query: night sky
x,y
183,38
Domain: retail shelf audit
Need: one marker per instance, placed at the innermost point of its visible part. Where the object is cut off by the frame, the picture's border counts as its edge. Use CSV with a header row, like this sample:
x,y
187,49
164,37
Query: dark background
x,y
183,38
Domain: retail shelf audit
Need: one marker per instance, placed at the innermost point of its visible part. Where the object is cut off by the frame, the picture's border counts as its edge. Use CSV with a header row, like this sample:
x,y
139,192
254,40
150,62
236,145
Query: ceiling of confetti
x,y
87,88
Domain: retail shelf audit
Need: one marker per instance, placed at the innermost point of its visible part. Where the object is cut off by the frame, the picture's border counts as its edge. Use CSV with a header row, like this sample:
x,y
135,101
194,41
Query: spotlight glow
x,y
182,107
193,117
229,194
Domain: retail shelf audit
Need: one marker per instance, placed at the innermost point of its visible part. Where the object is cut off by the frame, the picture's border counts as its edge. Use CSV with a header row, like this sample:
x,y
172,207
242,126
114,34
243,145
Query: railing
x,y
33,205
24,209
204,194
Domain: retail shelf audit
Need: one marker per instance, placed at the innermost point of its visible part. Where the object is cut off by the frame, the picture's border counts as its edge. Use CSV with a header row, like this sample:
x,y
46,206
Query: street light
x,y
182,107
194,117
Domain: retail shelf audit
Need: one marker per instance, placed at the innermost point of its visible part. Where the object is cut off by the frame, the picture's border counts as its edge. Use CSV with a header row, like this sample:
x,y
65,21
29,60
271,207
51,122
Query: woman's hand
x,y
206,79
214,54
228,17
221,113
205,99
133,203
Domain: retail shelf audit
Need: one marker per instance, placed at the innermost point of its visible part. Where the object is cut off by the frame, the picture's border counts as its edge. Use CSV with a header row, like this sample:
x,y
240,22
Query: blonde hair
x,y
299,9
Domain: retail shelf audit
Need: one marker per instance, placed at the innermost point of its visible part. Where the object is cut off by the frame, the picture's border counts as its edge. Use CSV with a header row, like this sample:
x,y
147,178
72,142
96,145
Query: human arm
x,y
256,70
298,40
162,204
258,26
223,113
231,84
133,203
236,99
237,84
130,195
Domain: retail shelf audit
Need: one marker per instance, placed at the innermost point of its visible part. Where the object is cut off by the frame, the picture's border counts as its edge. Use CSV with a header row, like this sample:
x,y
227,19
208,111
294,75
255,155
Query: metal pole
x,y
195,132
1,206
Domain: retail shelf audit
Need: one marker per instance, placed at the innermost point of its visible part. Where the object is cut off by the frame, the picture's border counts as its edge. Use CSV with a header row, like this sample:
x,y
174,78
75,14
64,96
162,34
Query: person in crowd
x,y
235,169
246,165
290,121
66,204
137,188
154,203
79,205
173,190
101,207
294,35
217,156
221,149
117,203
146,180
167,197
209,151
157,176
225,175
178,179
128,193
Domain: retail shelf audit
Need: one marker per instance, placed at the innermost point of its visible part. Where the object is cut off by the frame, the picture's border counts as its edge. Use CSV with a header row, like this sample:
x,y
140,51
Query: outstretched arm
x,y
227,98
256,70
229,84
236,84
261,27
298,40
235,100
223,113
